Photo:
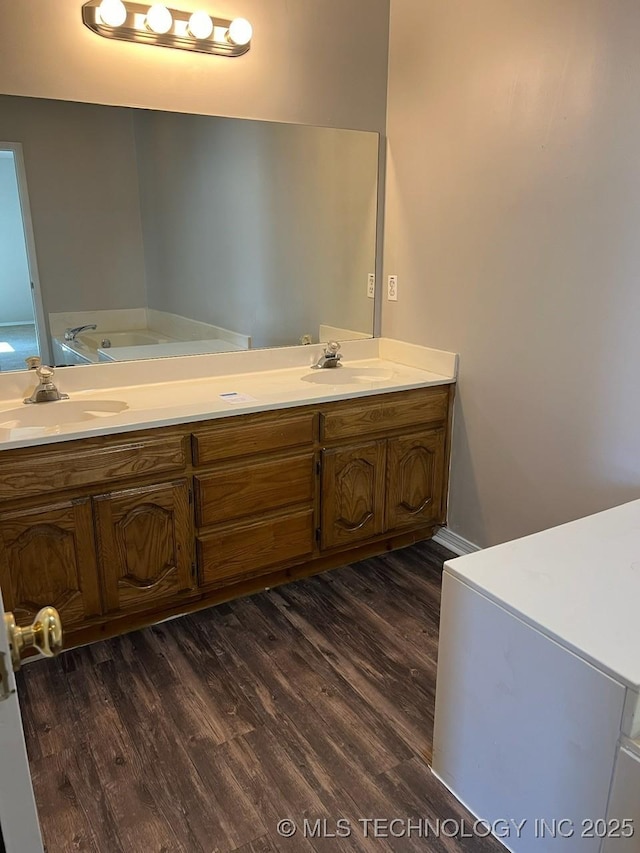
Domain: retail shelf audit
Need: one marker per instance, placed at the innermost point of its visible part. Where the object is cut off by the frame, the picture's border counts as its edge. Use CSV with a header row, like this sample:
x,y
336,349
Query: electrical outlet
x,y
371,286
392,288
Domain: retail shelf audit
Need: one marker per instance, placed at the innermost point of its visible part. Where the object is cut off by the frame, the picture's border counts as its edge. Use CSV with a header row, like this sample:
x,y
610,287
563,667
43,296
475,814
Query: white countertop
x,y
578,583
122,397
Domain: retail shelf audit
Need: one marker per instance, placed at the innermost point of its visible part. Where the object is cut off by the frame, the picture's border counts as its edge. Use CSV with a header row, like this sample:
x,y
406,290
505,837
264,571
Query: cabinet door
x,y
145,544
47,557
415,479
352,493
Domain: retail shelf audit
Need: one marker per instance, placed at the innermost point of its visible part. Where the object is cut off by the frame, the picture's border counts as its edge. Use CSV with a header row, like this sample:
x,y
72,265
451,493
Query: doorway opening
x,y
22,328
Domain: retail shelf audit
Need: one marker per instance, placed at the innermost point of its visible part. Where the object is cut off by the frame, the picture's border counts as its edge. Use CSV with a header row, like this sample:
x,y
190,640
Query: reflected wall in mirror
x,y
176,234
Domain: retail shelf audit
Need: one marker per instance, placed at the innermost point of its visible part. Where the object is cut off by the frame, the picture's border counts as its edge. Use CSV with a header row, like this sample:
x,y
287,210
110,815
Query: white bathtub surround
x,y
184,329
123,320
178,390
537,706
336,333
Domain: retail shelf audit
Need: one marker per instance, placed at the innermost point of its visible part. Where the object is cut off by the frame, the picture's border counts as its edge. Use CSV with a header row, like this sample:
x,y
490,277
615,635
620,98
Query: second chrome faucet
x,y
331,356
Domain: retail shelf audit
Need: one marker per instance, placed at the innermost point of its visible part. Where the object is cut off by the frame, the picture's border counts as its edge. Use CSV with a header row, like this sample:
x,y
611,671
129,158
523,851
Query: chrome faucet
x,y
70,334
45,391
330,357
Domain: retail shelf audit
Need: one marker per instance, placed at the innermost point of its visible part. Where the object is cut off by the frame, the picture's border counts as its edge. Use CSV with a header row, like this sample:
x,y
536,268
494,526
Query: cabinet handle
x,y
359,524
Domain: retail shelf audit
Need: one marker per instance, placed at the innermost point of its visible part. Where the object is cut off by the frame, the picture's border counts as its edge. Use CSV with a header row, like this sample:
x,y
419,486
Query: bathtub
x,y
87,347
136,338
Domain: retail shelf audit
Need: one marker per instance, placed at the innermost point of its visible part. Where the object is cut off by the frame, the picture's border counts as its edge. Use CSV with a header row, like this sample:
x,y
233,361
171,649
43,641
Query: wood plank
x,y
336,708
59,806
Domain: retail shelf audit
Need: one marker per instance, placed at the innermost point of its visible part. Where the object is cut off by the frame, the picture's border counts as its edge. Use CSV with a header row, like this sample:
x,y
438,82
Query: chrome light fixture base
x,y
135,29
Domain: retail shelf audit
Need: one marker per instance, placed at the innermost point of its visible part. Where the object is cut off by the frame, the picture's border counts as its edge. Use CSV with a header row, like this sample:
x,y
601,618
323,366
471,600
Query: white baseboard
x,y
454,542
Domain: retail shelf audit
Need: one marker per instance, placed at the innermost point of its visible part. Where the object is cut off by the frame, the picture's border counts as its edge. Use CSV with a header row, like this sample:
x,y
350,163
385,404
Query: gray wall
x,y
311,62
512,221
265,229
83,193
16,305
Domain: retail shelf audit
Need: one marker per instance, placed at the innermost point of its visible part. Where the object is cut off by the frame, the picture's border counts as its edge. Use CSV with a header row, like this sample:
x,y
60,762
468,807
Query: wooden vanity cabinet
x,y
122,531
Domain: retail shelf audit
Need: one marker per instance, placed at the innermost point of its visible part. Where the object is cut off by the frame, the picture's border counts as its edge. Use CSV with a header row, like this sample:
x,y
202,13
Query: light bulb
x,y
240,31
159,19
200,25
113,13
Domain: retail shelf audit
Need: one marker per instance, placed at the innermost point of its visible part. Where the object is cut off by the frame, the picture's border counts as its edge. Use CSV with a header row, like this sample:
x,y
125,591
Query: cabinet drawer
x,y
252,488
250,549
229,441
70,467
377,415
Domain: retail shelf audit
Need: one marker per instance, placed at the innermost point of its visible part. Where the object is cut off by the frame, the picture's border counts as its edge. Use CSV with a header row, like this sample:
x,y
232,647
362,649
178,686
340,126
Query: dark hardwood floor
x,y
312,701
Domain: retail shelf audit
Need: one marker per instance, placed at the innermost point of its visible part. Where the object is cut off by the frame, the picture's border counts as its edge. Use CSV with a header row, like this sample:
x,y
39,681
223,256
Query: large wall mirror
x,y
175,234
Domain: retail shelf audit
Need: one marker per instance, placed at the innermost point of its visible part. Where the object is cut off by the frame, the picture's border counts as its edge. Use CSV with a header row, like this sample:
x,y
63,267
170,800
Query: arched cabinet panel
x,y
47,557
415,479
145,540
352,493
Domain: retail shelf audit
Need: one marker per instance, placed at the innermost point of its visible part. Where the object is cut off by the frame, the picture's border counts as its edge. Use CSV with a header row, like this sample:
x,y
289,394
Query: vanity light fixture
x,y
160,25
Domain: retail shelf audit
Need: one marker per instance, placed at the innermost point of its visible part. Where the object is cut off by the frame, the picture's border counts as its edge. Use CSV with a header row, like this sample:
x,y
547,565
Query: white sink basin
x,y
348,376
59,413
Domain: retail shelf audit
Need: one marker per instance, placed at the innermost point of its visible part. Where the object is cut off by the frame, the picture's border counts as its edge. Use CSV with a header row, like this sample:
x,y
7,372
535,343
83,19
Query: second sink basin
x,y
59,413
348,376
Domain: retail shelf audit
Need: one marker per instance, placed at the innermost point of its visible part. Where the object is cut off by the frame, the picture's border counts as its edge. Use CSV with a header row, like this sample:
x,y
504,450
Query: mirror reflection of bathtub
x,y
103,346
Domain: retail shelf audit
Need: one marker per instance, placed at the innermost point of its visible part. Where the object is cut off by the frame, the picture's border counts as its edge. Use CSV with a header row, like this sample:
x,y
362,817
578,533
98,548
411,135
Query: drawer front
x,y
378,415
253,488
68,468
231,553
229,441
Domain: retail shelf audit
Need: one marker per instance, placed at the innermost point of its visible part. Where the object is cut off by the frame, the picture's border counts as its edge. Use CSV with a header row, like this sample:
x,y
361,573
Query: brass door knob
x,y
44,634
